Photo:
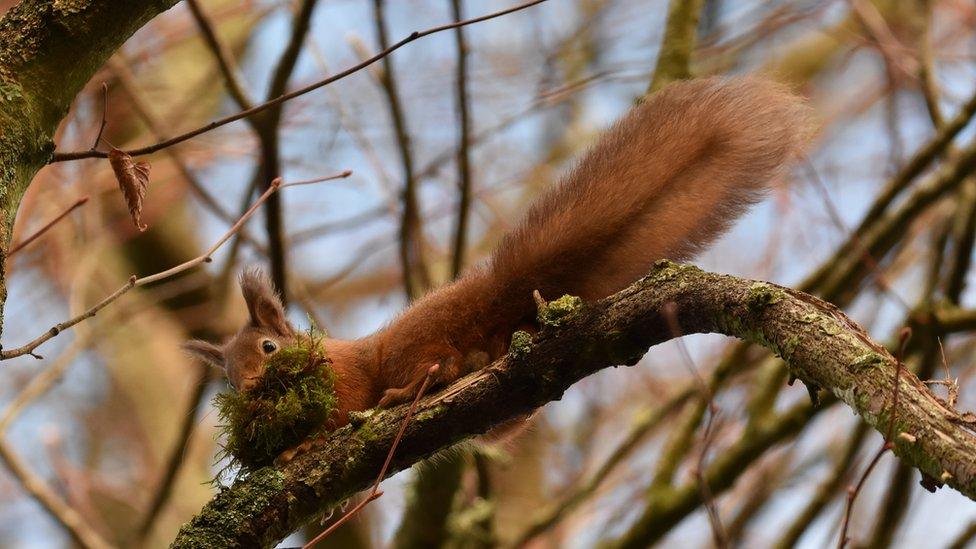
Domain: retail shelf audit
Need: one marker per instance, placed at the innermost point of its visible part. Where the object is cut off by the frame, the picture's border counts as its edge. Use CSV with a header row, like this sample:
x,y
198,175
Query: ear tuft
x,y
205,351
263,303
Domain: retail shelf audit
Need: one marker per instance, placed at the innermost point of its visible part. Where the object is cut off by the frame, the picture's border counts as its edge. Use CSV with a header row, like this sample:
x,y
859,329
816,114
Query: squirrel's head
x,y
242,357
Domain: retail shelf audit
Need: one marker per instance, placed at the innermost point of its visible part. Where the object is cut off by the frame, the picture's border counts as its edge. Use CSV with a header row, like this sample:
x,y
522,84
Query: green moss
x,y
558,312
357,418
10,91
790,347
365,433
521,344
830,326
292,401
866,361
761,295
664,269
430,413
229,512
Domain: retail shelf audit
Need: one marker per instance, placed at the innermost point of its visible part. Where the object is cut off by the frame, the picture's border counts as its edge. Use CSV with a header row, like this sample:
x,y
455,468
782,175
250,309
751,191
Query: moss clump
x,y
292,401
230,511
556,313
521,344
867,361
762,295
357,418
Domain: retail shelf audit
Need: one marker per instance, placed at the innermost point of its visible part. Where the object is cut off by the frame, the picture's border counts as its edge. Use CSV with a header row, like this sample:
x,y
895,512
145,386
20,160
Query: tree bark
x,y
819,343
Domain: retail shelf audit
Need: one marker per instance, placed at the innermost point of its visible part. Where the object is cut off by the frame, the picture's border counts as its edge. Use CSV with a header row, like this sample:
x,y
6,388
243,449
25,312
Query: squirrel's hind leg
x,y
450,370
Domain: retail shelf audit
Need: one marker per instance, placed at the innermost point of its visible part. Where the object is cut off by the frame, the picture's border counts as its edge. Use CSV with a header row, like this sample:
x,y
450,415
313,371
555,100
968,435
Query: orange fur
x,y
663,182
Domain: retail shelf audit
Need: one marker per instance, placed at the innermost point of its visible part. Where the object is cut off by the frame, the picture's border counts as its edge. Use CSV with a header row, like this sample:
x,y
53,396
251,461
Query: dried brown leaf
x,y
133,178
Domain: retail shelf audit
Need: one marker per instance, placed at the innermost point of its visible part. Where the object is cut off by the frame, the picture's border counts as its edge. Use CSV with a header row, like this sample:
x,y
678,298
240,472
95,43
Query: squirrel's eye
x,y
269,346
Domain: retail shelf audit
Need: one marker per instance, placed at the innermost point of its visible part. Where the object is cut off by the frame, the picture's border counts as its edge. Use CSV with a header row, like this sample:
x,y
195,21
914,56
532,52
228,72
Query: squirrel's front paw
x,y
301,448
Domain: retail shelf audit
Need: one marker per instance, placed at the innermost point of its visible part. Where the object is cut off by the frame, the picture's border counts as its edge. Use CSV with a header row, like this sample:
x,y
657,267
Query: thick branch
x,y
819,343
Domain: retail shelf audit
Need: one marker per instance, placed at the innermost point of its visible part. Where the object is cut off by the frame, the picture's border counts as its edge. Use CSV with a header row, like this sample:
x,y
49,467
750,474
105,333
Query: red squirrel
x,y
662,182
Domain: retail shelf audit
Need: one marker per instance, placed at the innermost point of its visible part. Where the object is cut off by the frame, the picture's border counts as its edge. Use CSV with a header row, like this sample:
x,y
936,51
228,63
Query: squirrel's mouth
x,y
248,383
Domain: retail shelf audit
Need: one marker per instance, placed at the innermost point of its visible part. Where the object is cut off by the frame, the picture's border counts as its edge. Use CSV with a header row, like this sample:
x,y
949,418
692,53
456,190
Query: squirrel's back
x,y
662,182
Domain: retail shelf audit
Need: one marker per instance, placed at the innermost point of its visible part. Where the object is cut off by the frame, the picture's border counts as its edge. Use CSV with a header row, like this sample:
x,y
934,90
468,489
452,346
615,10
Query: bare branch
x,y
888,444
80,531
225,61
61,157
175,460
680,34
135,281
76,525
411,227
463,158
37,234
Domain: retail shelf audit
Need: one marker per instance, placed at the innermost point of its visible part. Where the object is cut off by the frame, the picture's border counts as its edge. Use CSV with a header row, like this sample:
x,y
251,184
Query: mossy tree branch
x,y
49,49
821,346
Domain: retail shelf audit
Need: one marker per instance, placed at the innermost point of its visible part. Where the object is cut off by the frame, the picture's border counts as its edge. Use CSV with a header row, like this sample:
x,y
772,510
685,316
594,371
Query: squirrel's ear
x,y
263,304
205,351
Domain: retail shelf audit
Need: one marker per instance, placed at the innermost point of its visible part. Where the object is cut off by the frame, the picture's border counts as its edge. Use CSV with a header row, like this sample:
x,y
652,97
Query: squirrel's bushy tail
x,y
663,182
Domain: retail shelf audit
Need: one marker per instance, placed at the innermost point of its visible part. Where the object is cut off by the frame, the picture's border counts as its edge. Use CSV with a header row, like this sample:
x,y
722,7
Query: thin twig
x,y
101,127
872,20
646,420
129,84
463,152
888,444
963,234
61,157
225,277
878,224
81,532
175,460
20,245
375,493
267,128
714,518
825,490
923,157
926,67
951,385
355,130
411,229
225,61
69,518
135,281
867,259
